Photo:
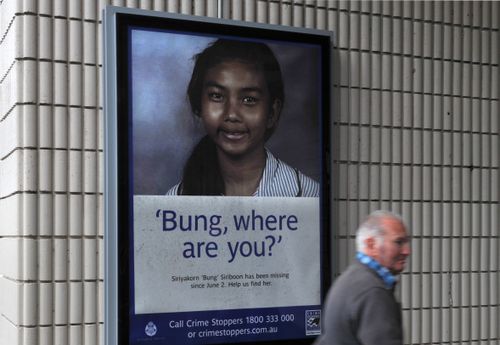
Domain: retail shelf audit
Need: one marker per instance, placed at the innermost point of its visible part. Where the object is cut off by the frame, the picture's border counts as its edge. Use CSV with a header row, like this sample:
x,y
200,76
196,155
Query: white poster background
x,y
163,277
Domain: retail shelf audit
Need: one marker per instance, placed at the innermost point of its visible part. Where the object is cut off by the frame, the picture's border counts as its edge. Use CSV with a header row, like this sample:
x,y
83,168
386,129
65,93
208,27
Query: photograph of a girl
x,y
224,117
236,89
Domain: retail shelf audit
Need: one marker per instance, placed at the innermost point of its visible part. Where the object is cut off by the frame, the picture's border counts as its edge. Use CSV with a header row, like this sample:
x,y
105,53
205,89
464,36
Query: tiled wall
x,y
416,130
50,173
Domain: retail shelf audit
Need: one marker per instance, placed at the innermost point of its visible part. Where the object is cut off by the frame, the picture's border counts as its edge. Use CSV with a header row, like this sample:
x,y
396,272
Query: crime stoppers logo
x,y
313,322
151,329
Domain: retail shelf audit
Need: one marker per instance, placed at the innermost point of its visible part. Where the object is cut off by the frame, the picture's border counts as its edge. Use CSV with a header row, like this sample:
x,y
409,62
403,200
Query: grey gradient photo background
x,y
164,130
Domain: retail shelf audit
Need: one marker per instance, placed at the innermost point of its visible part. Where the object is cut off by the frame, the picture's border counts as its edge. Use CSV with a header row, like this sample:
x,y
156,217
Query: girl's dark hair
x,y
201,174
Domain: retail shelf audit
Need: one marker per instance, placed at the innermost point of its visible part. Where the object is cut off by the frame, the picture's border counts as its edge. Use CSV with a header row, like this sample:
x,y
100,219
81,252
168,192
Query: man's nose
x,y
406,250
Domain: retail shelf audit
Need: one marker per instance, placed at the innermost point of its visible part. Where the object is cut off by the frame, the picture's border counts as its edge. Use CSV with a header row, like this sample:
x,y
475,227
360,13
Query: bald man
x,y
361,307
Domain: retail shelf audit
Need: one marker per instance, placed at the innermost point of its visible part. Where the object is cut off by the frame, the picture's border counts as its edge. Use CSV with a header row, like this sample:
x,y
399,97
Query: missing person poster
x,y
211,269
221,150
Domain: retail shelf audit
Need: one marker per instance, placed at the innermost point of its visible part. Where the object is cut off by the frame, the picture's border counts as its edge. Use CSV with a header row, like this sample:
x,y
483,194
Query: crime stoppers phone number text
x,y
270,318
214,322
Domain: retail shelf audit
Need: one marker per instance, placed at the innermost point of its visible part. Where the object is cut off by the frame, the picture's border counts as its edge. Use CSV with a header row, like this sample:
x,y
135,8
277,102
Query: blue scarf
x,y
388,278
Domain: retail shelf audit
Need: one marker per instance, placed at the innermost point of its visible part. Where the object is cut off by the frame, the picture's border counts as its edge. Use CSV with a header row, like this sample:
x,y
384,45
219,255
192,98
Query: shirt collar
x,y
267,174
388,278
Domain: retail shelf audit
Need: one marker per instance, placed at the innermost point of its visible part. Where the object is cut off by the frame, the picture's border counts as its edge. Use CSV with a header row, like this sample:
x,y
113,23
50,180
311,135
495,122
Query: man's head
x,y
383,237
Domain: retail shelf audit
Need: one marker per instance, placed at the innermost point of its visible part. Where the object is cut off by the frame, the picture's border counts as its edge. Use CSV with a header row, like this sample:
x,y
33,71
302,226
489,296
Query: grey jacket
x,y
360,309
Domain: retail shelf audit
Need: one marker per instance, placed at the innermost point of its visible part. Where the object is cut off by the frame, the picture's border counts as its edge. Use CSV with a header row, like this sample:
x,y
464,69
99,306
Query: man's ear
x,y
370,246
274,114
370,242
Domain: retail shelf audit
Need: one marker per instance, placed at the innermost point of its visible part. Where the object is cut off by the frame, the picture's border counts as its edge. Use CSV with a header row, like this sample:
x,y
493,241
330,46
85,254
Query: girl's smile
x,y
232,135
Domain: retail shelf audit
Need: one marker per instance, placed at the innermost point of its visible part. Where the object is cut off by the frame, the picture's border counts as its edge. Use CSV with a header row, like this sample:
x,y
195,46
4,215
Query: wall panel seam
x,y
45,148
448,237
64,62
464,306
60,237
58,324
38,192
425,129
45,281
381,15
7,72
51,16
424,165
408,55
418,20
60,105
420,200
8,320
7,113
47,325
7,29
410,92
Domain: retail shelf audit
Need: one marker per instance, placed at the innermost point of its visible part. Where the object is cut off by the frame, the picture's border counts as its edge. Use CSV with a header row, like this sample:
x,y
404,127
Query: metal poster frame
x,y
246,269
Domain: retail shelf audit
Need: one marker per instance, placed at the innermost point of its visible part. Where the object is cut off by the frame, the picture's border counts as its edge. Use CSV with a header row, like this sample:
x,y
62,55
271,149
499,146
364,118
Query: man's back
x,y
360,309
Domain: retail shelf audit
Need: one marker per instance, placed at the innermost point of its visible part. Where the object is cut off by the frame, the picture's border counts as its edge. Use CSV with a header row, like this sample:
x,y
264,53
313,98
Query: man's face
x,y
393,251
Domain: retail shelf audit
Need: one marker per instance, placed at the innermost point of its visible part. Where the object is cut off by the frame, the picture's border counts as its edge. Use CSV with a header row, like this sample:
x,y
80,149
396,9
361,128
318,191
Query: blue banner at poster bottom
x,y
226,326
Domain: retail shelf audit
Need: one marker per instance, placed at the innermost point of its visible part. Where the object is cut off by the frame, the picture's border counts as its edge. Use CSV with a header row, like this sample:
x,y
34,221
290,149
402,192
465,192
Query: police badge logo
x,y
151,329
313,322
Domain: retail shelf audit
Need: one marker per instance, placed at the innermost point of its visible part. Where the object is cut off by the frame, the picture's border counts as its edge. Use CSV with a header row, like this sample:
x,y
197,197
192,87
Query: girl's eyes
x,y
249,100
219,97
215,96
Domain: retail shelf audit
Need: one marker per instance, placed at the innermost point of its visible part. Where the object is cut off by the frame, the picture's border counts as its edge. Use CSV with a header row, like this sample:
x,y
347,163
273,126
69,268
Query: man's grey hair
x,y
373,227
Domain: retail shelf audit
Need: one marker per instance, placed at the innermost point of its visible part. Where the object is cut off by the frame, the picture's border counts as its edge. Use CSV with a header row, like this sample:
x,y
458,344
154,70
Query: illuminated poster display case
x,y
217,180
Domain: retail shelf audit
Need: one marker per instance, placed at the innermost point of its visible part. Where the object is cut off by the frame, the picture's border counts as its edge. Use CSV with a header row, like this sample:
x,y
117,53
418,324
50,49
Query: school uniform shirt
x,y
280,180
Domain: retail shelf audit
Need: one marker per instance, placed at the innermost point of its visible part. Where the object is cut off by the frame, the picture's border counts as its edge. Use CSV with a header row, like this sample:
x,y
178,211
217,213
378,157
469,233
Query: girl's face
x,y
235,108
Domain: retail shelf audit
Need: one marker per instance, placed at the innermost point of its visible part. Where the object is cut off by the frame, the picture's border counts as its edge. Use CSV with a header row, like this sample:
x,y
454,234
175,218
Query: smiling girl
x,y
236,89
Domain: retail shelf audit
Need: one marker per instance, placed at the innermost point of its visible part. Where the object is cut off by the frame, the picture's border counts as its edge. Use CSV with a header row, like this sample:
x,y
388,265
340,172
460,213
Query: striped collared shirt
x,y
279,179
